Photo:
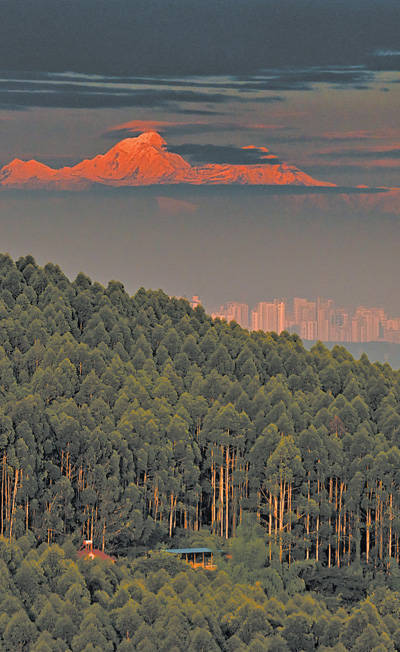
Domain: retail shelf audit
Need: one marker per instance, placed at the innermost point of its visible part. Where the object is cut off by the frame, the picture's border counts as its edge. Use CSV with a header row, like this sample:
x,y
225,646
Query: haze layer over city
x,y
320,319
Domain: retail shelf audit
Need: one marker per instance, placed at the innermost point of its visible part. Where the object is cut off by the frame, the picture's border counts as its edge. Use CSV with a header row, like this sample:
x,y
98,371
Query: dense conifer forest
x,y
140,423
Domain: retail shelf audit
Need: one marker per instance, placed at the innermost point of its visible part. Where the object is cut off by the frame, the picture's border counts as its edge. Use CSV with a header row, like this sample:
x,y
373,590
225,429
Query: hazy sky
x,y
316,81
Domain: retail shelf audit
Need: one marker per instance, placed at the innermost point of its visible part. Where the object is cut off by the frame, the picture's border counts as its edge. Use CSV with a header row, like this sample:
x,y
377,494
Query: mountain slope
x,y
145,160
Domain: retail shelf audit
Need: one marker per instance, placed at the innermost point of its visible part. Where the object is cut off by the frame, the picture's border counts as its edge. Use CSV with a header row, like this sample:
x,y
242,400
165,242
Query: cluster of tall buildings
x,y
314,320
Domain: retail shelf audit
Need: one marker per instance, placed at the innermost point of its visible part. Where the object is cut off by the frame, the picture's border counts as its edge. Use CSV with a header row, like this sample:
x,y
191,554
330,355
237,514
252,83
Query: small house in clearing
x,y
195,557
88,552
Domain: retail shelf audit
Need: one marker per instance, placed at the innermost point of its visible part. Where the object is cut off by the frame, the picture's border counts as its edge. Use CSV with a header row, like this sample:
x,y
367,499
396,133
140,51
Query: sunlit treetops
x,y
131,420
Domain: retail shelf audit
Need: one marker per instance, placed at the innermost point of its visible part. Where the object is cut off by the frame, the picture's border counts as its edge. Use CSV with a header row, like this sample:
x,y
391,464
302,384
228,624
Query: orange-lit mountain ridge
x,y
144,161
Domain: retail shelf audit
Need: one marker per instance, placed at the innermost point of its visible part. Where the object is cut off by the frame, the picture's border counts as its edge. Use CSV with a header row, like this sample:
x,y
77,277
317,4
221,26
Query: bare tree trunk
x,y
270,526
3,486
290,519
213,483
339,520
308,518
227,492
317,525
13,501
171,512
282,493
221,495
330,523
234,493
390,525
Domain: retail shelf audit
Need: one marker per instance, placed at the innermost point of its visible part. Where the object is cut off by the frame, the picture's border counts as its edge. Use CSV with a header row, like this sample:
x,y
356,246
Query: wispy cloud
x,y
305,78
95,91
226,154
345,136
387,53
385,59
187,127
101,97
80,90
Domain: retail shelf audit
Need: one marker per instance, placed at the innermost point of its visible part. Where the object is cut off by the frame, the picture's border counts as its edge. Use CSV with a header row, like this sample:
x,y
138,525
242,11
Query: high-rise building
x,y
195,301
312,320
263,316
308,330
303,310
269,316
234,311
367,324
392,330
280,315
342,325
326,320
302,320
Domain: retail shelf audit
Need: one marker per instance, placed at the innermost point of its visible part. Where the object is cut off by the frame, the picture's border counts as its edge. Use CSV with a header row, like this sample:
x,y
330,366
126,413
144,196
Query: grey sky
x,y
315,81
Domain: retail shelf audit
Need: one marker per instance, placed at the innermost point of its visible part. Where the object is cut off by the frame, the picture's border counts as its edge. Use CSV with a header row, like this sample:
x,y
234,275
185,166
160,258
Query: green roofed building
x,y
195,557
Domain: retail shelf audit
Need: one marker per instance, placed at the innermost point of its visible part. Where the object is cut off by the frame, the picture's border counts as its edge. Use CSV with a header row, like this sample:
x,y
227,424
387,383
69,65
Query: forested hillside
x,y
138,421
127,419
51,603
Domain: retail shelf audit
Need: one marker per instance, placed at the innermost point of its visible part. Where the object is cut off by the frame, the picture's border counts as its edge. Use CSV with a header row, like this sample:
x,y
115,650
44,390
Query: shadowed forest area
x,y
142,424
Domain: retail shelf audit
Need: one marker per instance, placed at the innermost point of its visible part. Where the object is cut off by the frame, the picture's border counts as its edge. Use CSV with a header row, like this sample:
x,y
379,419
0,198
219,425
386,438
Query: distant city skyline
x,y
311,319
313,85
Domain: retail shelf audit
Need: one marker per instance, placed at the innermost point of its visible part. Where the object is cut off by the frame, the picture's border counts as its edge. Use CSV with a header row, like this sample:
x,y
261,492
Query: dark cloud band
x,y
46,90
224,154
365,154
148,37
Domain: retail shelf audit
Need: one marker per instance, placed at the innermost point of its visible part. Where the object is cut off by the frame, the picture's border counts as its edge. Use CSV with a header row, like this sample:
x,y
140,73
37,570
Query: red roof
x,y
95,553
